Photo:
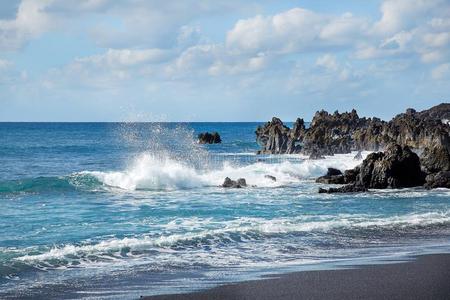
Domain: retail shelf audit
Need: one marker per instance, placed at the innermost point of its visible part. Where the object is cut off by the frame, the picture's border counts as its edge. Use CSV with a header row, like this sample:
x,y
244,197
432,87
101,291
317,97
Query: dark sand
x,y
427,277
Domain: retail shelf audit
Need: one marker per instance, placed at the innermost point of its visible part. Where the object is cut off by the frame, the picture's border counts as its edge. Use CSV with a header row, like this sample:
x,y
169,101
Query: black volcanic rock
x,y
417,130
351,175
349,188
333,176
273,178
276,138
438,180
435,159
228,183
209,138
335,133
397,167
438,112
427,132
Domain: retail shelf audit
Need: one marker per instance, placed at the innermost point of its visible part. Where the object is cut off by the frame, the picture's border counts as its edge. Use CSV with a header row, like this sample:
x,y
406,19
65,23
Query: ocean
x,y
119,210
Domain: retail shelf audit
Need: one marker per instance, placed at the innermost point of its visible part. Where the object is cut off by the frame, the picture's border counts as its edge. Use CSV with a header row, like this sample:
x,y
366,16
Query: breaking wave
x,y
155,172
238,231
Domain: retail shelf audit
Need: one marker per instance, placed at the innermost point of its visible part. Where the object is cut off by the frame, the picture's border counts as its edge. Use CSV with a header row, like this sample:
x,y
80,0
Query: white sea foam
x,y
164,173
247,228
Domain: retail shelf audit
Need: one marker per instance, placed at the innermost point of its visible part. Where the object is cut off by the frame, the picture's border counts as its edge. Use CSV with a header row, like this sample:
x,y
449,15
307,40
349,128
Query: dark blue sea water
x,y
118,210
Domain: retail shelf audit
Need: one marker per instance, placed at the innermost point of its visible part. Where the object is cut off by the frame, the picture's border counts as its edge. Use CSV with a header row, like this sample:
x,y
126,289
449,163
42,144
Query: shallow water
x,y
124,209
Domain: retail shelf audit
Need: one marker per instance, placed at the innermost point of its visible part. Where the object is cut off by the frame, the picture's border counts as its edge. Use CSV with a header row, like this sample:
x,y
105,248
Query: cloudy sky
x,y
221,60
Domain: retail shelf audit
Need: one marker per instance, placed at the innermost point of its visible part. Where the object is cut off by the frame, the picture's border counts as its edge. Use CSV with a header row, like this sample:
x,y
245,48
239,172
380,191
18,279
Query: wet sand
x,y
426,277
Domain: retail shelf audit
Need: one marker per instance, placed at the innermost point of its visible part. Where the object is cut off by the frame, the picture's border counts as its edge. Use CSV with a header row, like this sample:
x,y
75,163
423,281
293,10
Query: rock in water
x,y
333,176
209,138
333,172
397,167
273,178
350,188
241,182
228,183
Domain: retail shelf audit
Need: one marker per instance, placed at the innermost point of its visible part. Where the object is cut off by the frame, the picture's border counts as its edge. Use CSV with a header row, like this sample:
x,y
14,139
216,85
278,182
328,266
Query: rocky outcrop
x,y
228,183
436,164
333,176
331,133
396,167
351,175
335,133
435,159
427,132
417,130
276,138
438,112
209,138
350,188
438,180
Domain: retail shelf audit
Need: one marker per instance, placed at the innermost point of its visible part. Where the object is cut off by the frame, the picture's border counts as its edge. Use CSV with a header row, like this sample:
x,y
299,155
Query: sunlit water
x,y
122,210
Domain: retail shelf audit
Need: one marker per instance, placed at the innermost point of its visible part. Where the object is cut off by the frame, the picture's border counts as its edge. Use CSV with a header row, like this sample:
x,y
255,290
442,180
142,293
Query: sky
x,y
221,60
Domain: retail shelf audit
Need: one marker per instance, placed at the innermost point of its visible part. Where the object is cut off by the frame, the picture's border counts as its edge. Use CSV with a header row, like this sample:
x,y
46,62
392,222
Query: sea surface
x,y
119,210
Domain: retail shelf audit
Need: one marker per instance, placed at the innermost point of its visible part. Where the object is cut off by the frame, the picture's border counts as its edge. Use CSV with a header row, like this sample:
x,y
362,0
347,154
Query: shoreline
x,y
423,277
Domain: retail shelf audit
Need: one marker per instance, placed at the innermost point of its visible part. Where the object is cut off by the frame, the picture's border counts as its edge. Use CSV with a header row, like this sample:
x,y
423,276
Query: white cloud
x,y
295,30
239,66
114,58
327,61
30,22
441,71
400,15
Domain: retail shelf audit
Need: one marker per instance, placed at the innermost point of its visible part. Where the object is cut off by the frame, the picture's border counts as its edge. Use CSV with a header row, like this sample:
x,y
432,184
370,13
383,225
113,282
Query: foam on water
x,y
152,172
233,231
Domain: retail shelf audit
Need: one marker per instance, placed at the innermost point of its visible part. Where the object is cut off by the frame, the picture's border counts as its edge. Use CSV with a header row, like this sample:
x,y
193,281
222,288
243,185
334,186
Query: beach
x,y
425,277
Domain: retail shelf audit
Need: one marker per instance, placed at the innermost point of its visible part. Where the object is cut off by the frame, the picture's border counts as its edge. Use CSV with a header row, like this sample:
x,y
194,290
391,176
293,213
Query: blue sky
x,y
136,60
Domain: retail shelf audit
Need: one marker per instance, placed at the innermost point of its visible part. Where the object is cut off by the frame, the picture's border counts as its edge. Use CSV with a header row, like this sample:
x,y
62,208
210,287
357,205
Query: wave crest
x,y
240,230
148,172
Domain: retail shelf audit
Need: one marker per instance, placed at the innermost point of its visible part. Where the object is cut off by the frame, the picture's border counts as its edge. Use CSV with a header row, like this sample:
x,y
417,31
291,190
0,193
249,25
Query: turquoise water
x,y
118,210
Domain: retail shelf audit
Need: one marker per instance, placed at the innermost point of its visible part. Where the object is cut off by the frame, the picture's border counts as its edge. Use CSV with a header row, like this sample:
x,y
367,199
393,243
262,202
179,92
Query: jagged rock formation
x,y
426,132
438,112
335,133
209,138
276,138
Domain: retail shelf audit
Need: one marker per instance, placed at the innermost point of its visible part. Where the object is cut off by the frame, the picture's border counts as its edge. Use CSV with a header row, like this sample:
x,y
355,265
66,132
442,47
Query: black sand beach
x,y
426,277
